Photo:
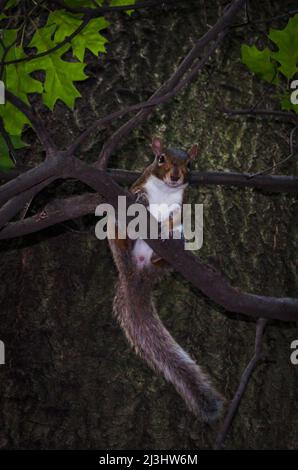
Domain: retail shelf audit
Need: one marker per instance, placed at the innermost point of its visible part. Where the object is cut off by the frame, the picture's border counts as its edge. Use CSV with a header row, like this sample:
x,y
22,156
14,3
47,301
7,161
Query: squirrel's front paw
x,y
142,199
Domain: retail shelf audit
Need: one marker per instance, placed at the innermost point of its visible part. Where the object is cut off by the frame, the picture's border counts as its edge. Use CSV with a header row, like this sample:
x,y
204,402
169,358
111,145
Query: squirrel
x,y
163,181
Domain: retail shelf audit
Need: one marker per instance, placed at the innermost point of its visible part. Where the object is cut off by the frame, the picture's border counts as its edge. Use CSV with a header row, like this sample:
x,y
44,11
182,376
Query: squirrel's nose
x,y
175,178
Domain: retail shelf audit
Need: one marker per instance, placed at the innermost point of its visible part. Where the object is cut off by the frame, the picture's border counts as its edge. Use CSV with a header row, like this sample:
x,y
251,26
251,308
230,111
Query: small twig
x,y
267,20
26,209
275,165
6,50
234,405
7,140
284,115
114,9
67,40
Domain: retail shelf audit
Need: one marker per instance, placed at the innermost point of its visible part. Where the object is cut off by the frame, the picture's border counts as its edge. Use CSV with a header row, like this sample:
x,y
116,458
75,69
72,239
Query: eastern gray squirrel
x,y
164,181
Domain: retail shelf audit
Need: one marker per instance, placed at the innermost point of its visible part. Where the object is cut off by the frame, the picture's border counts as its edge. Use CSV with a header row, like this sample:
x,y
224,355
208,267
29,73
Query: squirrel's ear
x,y
157,146
193,152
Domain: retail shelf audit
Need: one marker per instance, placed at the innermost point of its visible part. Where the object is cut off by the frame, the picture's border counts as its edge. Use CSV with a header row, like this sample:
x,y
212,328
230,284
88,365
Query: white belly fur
x,y
158,194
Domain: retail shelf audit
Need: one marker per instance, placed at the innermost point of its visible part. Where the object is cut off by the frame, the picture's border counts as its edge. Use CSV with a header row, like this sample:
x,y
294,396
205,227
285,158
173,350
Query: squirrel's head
x,y
172,165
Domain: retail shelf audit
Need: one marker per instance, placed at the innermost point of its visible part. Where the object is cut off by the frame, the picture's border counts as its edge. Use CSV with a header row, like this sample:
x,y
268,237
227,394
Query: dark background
x,y
70,379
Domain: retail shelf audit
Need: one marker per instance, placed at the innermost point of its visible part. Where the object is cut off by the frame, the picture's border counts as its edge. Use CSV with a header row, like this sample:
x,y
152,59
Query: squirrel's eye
x,y
161,159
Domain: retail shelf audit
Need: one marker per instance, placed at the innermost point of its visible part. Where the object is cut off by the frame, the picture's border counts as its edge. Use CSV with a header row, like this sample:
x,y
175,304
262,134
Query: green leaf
x,y
18,81
259,62
13,119
5,161
60,75
65,24
18,78
286,104
287,43
88,38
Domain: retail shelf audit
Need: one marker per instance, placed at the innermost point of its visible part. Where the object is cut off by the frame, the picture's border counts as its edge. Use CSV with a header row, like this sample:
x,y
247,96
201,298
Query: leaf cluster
x,y
46,59
278,62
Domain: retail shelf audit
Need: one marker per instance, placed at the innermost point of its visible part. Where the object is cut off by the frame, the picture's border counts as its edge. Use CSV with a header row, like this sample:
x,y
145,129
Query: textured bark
x,y
70,379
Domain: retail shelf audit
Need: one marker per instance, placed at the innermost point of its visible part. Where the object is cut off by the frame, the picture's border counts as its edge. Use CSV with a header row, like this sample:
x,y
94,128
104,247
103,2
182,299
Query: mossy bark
x,y
70,379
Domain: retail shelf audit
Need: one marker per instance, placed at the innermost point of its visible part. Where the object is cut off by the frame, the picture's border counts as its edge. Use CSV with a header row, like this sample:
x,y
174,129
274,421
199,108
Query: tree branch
x,y
234,405
281,115
93,12
67,40
78,206
270,183
7,140
151,103
211,35
203,276
14,205
53,213
30,178
35,120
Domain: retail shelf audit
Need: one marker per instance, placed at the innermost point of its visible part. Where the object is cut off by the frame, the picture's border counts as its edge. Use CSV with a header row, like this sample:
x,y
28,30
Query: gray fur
x,y
136,314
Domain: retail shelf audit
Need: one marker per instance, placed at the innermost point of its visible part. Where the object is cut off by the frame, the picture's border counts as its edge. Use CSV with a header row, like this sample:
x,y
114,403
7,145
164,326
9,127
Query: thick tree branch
x,y
53,213
12,173
25,181
270,183
14,205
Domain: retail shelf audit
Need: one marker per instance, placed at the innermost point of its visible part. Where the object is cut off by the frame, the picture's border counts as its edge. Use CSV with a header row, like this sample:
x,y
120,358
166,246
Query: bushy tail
x,y
136,313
